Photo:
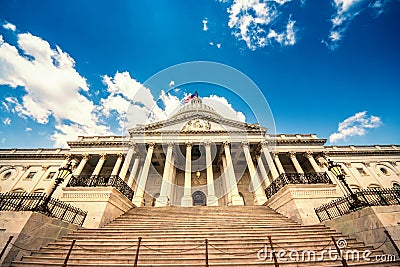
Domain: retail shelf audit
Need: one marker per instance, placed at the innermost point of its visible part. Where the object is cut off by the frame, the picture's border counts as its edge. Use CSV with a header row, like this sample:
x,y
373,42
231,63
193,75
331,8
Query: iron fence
x,y
97,180
296,178
363,198
40,202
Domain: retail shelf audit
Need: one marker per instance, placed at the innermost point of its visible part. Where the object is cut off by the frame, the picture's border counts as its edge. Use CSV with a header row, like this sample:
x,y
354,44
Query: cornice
x,y
363,153
100,143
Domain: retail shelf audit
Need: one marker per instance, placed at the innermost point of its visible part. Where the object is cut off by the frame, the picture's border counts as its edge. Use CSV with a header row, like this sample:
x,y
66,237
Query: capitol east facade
x,y
200,158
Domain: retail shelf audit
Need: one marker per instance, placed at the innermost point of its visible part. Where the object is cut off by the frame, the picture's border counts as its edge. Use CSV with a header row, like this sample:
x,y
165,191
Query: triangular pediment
x,y
196,117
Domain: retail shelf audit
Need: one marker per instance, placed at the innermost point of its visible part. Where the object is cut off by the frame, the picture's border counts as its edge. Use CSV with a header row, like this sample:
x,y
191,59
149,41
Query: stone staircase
x,y
175,236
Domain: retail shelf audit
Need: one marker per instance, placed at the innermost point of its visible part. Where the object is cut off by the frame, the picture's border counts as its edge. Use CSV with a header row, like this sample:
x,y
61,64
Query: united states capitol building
x,y
198,161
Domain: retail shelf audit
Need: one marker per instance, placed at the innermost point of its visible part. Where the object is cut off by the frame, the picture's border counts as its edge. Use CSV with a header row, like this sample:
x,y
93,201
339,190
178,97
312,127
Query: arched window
x,y
157,195
18,190
384,171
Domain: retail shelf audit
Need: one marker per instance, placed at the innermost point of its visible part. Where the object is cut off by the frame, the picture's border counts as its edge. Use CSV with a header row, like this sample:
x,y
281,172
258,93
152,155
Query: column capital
x,y
393,163
170,144
275,154
86,156
103,156
264,144
151,144
132,145
347,164
291,154
367,163
207,143
120,155
25,167
226,143
68,156
308,154
245,144
188,144
45,167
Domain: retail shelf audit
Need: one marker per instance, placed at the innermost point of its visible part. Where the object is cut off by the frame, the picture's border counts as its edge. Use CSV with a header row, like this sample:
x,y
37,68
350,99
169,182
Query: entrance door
x,y
199,198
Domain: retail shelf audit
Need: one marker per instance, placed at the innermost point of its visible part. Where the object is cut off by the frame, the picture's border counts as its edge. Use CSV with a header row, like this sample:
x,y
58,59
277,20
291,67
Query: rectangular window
x,y
361,171
50,176
30,176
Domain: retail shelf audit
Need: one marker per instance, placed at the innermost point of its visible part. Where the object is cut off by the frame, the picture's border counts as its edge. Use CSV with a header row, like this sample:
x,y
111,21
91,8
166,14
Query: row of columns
x,y
273,164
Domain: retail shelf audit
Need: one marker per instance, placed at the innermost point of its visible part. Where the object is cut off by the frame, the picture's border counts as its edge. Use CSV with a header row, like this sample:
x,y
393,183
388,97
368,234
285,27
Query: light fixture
x,y
336,169
63,172
198,173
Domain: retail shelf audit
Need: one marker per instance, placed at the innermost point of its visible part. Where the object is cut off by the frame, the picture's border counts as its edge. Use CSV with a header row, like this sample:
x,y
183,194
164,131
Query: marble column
x,y
237,200
278,163
309,156
133,172
270,162
296,164
227,181
117,164
139,194
212,199
264,173
127,161
79,169
100,164
259,195
187,193
163,200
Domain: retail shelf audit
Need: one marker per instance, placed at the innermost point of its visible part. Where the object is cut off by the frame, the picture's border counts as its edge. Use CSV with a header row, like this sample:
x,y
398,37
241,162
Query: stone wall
x,y
30,230
103,204
368,225
297,201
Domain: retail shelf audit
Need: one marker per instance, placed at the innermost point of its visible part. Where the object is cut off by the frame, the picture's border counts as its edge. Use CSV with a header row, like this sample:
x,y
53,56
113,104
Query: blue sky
x,y
70,68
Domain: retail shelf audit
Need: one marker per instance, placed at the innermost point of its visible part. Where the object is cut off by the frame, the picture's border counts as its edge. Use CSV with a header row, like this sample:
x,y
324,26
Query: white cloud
x,y
1,39
345,12
223,107
171,83
205,21
218,46
255,22
28,129
9,26
53,86
3,140
7,121
355,125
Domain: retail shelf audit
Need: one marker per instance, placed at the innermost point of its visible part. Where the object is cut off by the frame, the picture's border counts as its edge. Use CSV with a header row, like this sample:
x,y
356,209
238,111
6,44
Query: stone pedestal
x,y
187,201
297,201
30,231
368,225
212,201
237,201
103,204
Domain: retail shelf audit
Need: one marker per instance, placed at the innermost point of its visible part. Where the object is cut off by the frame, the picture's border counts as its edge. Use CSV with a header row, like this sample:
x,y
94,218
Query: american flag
x,y
190,97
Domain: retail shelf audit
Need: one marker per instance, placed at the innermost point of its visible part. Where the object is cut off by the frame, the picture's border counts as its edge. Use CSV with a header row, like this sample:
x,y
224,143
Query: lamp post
x,y
336,169
63,173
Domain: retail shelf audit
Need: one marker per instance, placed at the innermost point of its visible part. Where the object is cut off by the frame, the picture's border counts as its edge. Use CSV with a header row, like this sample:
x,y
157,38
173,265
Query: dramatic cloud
x,y
52,85
355,125
345,12
9,26
223,107
256,23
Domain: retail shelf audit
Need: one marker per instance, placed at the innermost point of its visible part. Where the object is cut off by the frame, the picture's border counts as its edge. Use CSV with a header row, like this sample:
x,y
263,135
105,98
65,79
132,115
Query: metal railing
x,y
296,178
97,180
364,198
40,202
